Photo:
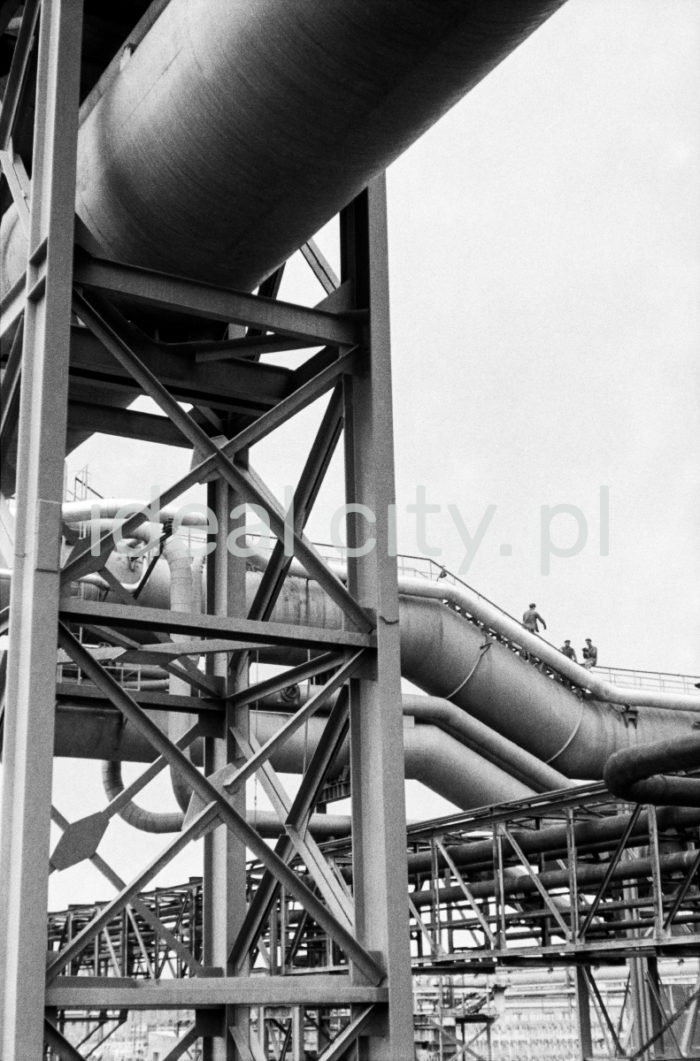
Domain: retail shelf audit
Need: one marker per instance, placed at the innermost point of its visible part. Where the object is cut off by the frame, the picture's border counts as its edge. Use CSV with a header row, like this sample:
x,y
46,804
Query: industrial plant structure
x,y
161,163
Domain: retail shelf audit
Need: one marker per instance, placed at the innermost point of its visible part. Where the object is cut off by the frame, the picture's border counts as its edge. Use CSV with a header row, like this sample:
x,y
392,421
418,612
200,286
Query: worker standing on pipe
x,y
590,654
531,618
567,650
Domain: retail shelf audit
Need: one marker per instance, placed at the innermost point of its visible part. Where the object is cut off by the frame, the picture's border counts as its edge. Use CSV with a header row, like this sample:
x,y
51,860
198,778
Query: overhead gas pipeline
x,y
234,130
495,727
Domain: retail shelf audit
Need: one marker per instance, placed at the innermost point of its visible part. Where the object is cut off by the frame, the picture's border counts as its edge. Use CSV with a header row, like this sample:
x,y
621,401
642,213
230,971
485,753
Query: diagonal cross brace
x,y
318,665
617,855
18,182
58,1043
81,838
137,905
466,891
348,1036
331,739
203,821
310,481
189,1039
305,712
19,69
82,561
305,846
546,897
249,490
215,801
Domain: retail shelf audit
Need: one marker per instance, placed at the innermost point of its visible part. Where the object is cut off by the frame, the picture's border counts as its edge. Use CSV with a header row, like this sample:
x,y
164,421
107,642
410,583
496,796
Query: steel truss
x,y
78,350
571,880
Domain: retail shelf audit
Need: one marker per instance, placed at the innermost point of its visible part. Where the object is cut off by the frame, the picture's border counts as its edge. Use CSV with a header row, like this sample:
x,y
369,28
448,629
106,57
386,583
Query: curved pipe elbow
x,y
147,821
640,774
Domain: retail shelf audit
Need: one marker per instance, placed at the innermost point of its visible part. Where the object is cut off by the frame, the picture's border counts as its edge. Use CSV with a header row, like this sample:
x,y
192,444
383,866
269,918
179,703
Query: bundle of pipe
x,y
494,726
455,659
235,129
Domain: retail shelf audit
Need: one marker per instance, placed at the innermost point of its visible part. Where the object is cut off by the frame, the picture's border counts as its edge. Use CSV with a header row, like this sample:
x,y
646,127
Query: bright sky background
x,y
545,279
545,290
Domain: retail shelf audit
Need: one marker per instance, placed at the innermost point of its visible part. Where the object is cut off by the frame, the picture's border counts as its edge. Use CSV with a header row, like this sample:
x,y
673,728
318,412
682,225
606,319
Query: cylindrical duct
x,y
450,657
237,128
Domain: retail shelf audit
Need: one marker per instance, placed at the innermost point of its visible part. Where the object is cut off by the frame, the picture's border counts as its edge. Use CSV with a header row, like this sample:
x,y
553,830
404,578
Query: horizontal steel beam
x,y
82,992
84,694
214,303
104,613
108,420
250,345
253,385
544,804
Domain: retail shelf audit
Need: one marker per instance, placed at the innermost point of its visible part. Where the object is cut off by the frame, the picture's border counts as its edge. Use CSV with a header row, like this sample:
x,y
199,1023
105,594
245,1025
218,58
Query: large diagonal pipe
x,y
457,660
236,129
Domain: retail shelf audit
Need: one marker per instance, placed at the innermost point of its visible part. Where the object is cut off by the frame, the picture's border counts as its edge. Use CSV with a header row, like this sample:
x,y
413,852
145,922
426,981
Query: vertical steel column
x,y
297,1033
583,1009
224,879
29,726
657,1017
376,722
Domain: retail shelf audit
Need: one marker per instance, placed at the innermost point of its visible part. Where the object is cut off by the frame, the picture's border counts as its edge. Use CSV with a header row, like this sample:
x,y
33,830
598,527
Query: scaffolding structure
x,y
70,341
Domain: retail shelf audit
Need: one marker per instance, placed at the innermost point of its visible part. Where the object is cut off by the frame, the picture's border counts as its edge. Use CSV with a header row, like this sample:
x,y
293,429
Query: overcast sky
x,y
545,269
545,290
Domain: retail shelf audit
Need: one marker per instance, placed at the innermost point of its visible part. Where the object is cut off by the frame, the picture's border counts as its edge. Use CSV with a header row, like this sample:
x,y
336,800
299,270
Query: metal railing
x,y
646,679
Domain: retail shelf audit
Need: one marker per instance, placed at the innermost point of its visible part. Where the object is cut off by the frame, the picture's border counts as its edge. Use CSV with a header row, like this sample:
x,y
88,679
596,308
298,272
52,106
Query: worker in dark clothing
x,y
589,653
531,618
567,650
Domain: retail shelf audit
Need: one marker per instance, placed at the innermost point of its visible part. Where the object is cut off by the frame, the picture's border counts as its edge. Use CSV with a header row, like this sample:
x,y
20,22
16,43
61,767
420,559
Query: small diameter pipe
x,y
598,834
587,877
638,774
267,823
108,508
